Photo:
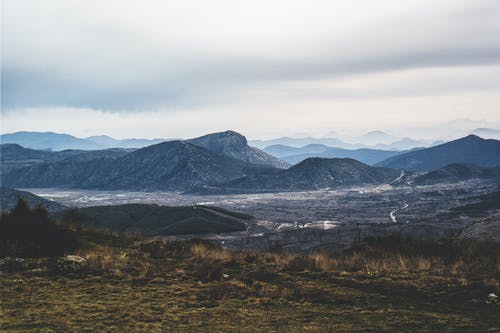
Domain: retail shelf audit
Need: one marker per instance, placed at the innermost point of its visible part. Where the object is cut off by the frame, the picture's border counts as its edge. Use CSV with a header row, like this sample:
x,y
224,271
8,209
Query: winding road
x,y
392,214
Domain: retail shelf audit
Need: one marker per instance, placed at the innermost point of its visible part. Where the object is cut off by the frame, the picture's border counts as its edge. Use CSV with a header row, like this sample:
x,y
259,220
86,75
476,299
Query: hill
x,y
313,173
172,165
160,220
9,198
457,172
235,145
470,150
487,229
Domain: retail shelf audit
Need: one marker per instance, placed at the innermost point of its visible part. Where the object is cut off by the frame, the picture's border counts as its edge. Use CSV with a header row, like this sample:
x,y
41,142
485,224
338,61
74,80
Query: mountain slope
x,y
470,149
313,173
162,220
13,156
173,165
9,196
235,145
457,172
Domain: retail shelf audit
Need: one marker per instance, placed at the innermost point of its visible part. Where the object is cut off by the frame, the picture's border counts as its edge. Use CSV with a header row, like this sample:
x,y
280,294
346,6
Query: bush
x,y
26,232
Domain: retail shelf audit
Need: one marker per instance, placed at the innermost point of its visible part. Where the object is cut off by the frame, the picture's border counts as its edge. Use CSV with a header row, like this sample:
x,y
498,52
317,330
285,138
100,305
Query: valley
x,y
309,220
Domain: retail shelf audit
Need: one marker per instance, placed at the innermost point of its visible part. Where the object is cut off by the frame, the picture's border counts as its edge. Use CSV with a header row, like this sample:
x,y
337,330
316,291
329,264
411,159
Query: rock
x,y
72,264
37,271
12,264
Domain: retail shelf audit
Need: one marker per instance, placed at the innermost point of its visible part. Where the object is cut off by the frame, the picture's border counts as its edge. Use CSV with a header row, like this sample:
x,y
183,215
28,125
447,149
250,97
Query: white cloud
x,y
199,66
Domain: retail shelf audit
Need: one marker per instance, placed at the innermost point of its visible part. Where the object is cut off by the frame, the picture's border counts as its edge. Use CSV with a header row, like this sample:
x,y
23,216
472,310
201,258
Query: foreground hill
x,y
313,173
160,220
457,172
9,198
173,165
235,145
470,150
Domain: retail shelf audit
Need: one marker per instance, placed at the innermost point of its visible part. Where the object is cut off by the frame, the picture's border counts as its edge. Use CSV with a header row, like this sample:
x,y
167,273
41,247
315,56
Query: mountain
x,y
48,140
103,140
59,142
301,142
139,143
453,173
405,144
161,220
365,155
470,150
172,165
9,197
487,133
232,144
280,151
374,137
311,174
13,156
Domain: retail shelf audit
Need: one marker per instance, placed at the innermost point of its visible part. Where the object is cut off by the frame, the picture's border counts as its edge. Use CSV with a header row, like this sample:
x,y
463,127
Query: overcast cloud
x,y
182,68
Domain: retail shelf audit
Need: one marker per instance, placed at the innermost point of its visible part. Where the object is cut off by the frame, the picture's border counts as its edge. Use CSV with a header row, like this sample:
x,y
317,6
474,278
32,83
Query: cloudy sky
x,y
264,68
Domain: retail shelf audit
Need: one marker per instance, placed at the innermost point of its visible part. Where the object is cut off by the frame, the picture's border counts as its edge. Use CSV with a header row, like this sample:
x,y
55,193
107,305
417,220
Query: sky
x,y
264,68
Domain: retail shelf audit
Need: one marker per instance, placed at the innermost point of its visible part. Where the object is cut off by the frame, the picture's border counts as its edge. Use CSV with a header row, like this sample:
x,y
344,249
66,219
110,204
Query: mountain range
x,y
224,162
172,165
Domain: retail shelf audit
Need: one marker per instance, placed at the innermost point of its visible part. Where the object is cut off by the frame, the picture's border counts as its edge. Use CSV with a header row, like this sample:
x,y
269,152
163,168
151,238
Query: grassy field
x,y
388,284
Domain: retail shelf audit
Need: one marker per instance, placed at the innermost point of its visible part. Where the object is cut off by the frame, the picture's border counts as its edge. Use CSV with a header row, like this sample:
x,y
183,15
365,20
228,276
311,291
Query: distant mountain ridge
x,y
59,141
469,150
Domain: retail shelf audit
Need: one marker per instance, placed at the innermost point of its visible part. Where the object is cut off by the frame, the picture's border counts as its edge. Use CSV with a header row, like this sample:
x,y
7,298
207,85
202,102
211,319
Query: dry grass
x,y
198,287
